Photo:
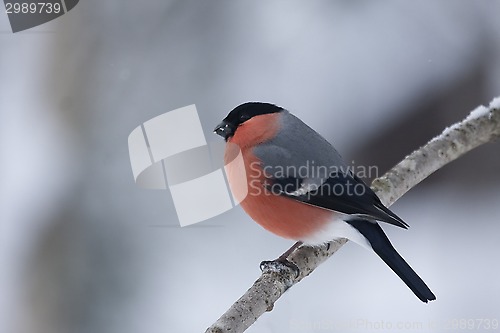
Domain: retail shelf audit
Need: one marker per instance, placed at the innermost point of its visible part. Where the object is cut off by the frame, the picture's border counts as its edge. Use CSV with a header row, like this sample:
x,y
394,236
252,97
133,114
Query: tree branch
x,y
481,126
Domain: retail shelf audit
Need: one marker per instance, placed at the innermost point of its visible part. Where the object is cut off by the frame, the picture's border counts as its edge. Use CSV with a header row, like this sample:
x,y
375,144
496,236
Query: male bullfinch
x,y
298,186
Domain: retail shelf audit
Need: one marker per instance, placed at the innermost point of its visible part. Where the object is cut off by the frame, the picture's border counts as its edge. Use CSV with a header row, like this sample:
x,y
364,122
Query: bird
x,y
298,186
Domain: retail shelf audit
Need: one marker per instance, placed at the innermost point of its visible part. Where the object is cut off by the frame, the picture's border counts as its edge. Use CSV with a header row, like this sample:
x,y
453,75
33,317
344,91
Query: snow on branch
x,y
481,126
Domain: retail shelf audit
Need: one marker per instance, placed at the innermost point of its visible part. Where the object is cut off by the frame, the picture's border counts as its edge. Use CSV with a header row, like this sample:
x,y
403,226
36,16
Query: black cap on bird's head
x,y
242,113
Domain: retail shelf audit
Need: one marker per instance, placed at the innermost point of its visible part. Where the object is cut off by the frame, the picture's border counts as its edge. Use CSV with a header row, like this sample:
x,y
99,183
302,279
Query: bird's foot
x,y
280,264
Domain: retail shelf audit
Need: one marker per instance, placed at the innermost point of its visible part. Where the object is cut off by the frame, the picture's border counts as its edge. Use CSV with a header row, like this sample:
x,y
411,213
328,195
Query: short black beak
x,y
225,129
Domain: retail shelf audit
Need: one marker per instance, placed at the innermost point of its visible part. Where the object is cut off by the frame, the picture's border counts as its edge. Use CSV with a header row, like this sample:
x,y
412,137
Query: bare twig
x,y
481,126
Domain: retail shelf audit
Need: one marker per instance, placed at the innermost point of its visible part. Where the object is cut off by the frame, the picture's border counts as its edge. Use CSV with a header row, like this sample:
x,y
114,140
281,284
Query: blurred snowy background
x,y
82,249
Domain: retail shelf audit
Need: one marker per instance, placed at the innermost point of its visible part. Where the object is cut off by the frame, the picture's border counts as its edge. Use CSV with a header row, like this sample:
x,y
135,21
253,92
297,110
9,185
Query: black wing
x,y
344,193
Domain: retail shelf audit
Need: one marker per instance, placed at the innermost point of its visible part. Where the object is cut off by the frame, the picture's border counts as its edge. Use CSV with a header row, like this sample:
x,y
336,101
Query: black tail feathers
x,y
383,247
